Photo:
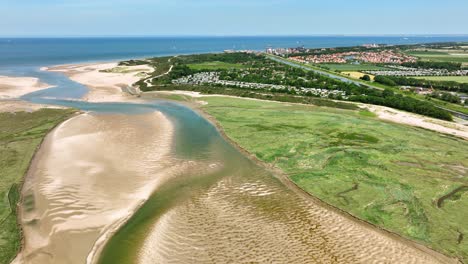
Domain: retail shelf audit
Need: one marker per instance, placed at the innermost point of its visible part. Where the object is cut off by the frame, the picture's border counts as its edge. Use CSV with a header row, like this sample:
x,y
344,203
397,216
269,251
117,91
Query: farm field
x,y
440,56
460,79
20,135
408,180
357,75
215,65
352,67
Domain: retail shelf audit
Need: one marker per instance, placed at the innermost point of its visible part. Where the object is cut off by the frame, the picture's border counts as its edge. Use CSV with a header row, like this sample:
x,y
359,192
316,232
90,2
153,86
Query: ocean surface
x,y
51,51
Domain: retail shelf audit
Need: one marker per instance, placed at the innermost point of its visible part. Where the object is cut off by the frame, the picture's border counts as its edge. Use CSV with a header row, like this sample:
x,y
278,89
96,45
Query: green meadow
x,y
460,79
440,56
20,135
408,180
215,65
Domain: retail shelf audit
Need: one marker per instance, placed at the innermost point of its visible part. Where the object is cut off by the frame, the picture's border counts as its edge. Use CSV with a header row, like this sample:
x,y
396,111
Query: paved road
x,y
337,77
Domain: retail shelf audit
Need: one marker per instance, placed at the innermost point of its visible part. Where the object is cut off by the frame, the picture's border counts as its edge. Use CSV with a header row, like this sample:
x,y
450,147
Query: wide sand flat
x,y
14,87
91,174
107,82
12,106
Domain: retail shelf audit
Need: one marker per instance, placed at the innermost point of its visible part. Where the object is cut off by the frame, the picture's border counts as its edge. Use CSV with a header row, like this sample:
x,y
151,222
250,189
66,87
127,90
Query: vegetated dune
x,y
107,81
14,87
91,173
397,116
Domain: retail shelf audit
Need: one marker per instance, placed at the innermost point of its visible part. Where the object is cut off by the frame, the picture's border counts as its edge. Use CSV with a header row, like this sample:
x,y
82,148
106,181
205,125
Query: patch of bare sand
x,y
107,82
406,118
14,87
91,173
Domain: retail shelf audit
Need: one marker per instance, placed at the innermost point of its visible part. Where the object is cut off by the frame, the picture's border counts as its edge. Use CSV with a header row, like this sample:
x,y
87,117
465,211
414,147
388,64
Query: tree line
x,y
440,85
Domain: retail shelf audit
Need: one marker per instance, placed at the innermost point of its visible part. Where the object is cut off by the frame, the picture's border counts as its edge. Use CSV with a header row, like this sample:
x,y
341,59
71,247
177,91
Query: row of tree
x,y
450,66
398,101
440,85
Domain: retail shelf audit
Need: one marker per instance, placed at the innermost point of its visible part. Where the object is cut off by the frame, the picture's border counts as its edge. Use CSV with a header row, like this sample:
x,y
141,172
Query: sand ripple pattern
x,y
92,172
253,218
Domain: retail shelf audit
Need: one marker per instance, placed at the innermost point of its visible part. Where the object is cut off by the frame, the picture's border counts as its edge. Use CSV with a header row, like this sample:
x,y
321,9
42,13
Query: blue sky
x,y
239,17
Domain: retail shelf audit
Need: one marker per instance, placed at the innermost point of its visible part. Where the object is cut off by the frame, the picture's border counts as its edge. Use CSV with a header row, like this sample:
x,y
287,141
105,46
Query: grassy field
x,y
460,79
215,65
353,67
357,75
440,56
20,135
408,180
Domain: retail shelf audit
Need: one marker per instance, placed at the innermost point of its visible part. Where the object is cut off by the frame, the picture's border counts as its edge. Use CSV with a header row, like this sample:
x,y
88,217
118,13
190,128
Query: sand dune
x,y
14,87
68,209
107,81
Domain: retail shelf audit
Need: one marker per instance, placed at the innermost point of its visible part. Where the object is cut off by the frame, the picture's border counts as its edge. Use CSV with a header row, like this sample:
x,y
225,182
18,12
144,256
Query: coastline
x,y
284,178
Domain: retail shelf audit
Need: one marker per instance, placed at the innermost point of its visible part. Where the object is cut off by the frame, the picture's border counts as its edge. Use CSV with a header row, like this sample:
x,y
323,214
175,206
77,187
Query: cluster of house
x,y
378,57
286,51
407,71
213,78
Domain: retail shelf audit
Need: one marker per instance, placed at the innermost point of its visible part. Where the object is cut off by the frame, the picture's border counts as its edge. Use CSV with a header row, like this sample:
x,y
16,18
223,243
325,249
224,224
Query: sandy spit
x,y
118,161
107,82
14,87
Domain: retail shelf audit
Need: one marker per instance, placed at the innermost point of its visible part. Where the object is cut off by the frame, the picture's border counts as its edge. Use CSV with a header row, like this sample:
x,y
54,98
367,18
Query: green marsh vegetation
x,y
408,180
20,135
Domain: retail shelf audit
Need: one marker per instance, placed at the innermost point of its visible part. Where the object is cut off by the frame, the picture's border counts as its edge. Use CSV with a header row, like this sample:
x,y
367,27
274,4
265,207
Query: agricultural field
x,y
460,79
438,56
215,65
357,75
352,67
20,135
408,180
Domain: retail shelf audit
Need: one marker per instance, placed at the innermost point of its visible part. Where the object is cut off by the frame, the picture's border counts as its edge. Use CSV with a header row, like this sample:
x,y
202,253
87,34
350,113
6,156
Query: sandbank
x,y
15,87
70,209
107,82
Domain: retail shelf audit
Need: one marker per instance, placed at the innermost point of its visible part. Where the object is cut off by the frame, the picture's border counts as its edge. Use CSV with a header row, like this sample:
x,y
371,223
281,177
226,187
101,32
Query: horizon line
x,y
233,36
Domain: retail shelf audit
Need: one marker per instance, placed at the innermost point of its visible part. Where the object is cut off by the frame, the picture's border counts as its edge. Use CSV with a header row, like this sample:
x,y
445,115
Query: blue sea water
x,y
25,56
52,51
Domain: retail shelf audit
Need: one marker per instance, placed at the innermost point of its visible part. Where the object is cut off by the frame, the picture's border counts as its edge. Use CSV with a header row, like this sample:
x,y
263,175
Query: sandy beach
x,y
69,205
107,82
15,87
